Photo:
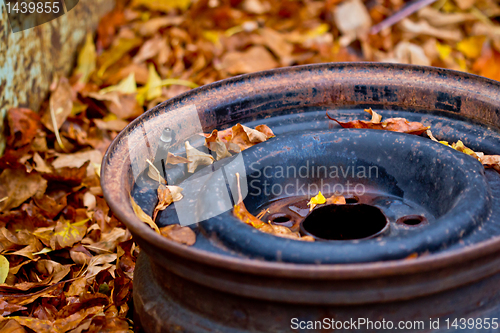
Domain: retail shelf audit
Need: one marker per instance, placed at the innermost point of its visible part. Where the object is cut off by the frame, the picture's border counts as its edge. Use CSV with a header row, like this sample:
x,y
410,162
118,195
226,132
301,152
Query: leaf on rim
x,y
143,216
245,137
319,199
491,161
400,125
174,159
214,143
336,200
179,234
196,157
166,195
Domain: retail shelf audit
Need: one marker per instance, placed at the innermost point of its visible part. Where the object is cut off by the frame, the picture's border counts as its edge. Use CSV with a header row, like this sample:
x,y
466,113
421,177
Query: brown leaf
x,y
166,195
152,25
61,105
12,326
214,143
124,106
23,126
245,137
111,125
19,186
6,308
150,49
336,200
108,25
108,241
77,160
491,161
277,43
393,124
40,164
241,212
182,235
255,59
49,206
68,175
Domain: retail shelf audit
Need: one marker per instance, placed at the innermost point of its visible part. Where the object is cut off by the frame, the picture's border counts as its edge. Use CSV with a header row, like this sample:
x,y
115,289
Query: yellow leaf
x,y
317,200
444,50
471,46
66,234
116,52
125,86
462,64
212,36
162,5
143,216
318,31
86,60
4,268
449,7
153,84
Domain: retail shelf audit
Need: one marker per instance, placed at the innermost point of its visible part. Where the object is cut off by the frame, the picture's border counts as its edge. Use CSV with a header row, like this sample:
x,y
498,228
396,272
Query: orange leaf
x,y
393,124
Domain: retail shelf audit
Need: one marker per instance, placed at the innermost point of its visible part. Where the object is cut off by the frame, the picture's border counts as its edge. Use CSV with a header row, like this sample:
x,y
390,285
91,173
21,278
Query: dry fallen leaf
x,y
245,137
4,269
66,233
166,195
316,200
214,143
196,158
179,234
336,200
17,186
352,19
241,212
86,60
491,161
23,126
392,124
174,159
255,59
143,216
60,106
162,5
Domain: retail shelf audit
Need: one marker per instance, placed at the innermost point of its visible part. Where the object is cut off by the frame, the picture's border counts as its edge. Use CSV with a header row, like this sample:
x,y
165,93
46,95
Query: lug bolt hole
x,y
351,200
281,219
412,220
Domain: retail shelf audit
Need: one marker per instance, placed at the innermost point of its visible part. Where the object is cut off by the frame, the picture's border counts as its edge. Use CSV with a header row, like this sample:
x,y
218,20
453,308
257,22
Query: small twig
x,y
399,15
